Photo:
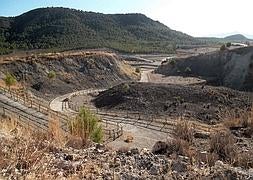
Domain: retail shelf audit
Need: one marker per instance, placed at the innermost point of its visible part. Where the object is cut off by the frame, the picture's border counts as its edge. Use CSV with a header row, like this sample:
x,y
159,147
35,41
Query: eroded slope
x,y
73,72
230,68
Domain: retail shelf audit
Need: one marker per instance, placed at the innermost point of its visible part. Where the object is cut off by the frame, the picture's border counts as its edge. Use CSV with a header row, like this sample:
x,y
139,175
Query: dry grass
x,y
223,144
244,160
55,132
23,151
183,130
8,124
245,121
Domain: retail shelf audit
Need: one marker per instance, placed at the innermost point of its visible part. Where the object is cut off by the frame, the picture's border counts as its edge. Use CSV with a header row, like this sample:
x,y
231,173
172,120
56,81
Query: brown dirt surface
x,y
205,103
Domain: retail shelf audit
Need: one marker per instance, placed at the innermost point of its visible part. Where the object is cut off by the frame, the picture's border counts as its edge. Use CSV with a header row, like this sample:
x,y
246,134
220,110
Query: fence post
x,y
113,134
110,134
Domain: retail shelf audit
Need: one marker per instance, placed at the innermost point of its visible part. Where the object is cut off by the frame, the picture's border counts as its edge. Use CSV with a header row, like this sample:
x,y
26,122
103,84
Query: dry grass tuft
x,y
223,144
55,132
244,160
245,121
184,131
8,124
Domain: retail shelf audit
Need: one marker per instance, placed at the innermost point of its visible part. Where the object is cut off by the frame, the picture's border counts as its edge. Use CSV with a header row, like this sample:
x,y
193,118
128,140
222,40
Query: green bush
x,y
223,47
9,80
97,135
229,44
51,75
125,88
172,62
86,126
137,70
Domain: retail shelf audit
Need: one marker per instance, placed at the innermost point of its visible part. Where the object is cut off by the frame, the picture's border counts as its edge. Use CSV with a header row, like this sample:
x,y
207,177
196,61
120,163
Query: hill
x,y
73,71
236,37
231,38
229,68
171,100
63,28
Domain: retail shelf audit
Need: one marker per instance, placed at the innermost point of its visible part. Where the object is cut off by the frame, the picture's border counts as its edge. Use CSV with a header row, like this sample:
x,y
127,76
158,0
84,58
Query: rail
x,y
39,106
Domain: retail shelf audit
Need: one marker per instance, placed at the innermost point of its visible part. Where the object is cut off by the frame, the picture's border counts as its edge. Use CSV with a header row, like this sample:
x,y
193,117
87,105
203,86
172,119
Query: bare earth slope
x,y
208,104
73,72
230,68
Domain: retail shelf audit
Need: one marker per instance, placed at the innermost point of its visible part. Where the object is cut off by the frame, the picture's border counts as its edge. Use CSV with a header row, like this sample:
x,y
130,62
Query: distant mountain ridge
x,y
69,28
236,37
239,38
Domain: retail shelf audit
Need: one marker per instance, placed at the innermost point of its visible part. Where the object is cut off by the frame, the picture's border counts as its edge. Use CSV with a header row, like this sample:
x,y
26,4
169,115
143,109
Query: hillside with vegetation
x,y
63,28
236,38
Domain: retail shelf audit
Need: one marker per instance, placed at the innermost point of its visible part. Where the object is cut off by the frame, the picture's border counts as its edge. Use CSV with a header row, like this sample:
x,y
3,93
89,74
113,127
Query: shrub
x,y
223,47
244,159
184,131
86,126
97,135
51,75
137,70
172,62
9,80
228,44
125,88
245,121
223,144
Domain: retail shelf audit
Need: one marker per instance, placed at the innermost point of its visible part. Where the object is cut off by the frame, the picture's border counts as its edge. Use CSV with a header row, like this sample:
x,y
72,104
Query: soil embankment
x,y
207,104
229,68
72,72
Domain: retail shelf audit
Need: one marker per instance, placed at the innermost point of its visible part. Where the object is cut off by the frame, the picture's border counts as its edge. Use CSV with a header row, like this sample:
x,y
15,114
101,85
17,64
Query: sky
x,y
195,17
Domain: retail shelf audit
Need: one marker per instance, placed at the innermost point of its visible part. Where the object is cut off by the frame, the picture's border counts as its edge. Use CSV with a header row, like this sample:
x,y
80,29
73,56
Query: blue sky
x,y
16,7
195,17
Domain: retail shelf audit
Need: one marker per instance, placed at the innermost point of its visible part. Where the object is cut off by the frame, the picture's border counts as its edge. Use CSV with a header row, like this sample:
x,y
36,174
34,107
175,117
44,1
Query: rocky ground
x,y
204,103
41,158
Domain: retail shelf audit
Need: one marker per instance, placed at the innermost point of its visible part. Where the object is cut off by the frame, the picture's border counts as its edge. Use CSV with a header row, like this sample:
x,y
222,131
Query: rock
x,y
144,151
178,166
231,175
134,151
160,148
219,164
129,139
155,169
68,157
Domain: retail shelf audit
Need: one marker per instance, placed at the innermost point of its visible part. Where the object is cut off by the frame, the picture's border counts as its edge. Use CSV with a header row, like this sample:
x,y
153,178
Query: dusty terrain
x,y
185,153
205,103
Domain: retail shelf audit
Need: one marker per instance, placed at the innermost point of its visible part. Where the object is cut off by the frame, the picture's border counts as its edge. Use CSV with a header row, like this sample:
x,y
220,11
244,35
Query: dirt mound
x,y
208,104
73,72
229,68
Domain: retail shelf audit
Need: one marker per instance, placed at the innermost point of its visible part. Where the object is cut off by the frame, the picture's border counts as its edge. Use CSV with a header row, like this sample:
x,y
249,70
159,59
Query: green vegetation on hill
x,y
236,37
63,28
